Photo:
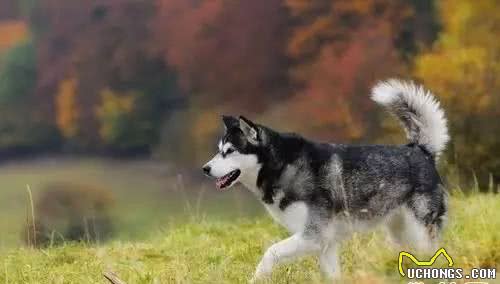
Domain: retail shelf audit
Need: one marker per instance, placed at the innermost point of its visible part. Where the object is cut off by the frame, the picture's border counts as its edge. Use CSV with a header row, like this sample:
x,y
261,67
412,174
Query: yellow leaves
x,y
113,107
456,76
67,110
468,22
452,65
463,69
463,66
113,102
454,14
11,33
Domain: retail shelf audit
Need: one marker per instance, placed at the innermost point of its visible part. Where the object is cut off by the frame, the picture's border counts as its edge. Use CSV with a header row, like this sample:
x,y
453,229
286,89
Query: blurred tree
x,y
20,125
8,9
11,33
228,53
463,68
23,132
420,30
334,97
114,50
18,73
67,111
339,49
114,112
229,57
123,125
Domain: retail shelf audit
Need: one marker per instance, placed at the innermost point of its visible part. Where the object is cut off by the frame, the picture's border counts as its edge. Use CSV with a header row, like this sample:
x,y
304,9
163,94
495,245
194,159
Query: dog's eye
x,y
229,151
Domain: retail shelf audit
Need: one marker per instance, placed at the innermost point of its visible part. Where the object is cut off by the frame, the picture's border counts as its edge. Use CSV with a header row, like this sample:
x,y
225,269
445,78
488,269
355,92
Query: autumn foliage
x,y
11,33
463,67
228,52
152,77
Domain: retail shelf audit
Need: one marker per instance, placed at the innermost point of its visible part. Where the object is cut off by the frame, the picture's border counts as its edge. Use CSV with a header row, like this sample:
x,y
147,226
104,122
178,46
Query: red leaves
x,y
227,52
340,51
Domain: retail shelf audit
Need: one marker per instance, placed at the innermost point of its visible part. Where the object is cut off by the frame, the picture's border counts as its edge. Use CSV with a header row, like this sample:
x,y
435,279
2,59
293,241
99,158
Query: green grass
x,y
208,251
147,195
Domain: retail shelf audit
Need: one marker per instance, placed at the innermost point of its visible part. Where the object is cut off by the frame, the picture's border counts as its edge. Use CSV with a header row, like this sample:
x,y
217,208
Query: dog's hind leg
x,y
286,250
429,210
419,222
422,236
405,230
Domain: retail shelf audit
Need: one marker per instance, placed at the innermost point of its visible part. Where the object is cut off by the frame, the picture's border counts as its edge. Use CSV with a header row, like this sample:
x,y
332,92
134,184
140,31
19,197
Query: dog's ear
x,y
250,130
230,121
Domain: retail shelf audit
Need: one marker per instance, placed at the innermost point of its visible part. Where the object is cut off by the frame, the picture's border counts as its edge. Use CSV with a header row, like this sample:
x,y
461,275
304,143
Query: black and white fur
x,y
324,192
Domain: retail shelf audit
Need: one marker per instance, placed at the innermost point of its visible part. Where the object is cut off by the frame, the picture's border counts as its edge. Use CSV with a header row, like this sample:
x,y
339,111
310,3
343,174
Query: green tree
x,y
18,72
21,126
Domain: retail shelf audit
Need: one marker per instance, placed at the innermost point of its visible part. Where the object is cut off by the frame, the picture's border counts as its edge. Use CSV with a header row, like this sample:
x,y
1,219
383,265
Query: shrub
x,y
70,212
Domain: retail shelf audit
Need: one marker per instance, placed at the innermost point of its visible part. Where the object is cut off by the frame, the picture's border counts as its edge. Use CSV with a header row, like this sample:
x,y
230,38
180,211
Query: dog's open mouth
x,y
228,179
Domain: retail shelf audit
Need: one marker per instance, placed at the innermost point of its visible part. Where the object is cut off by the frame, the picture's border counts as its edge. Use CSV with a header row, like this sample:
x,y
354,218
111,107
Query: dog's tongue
x,y
221,181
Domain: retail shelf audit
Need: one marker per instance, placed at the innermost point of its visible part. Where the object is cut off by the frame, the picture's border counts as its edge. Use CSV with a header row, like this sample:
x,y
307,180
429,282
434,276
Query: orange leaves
x,y
11,33
300,7
339,51
306,40
67,110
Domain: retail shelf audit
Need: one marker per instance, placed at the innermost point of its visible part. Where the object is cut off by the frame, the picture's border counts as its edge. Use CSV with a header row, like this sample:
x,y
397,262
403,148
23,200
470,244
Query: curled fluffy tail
x,y
418,111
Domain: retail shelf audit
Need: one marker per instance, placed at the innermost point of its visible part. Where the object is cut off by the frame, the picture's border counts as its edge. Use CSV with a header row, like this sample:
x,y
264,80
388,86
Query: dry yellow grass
x,y
207,251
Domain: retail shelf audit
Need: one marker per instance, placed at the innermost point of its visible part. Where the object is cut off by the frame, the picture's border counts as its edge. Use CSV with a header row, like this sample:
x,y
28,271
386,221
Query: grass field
x,y
210,251
147,195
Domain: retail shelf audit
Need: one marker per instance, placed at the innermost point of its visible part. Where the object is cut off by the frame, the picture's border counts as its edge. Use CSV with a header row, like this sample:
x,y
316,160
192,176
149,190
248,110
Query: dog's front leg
x,y
285,250
328,261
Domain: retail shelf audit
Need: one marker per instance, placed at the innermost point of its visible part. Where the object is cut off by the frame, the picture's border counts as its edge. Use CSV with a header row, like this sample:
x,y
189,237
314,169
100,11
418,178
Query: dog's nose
x,y
206,170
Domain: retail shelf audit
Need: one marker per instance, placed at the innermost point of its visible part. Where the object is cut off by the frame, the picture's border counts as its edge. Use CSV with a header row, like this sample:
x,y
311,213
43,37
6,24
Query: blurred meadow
x,y
145,197
109,108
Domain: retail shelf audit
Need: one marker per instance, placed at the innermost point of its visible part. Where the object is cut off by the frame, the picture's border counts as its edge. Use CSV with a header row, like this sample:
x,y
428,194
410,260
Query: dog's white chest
x,y
293,218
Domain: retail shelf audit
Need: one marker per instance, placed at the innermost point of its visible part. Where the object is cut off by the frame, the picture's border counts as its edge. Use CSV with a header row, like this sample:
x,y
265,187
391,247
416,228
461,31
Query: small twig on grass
x,y
113,278
30,195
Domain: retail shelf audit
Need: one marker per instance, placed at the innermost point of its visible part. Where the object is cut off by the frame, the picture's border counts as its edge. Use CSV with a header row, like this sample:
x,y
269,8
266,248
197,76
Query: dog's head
x,y
238,153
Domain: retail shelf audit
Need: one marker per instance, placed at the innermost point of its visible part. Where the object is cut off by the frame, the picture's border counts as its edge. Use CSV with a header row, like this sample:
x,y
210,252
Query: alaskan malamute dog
x,y
322,192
